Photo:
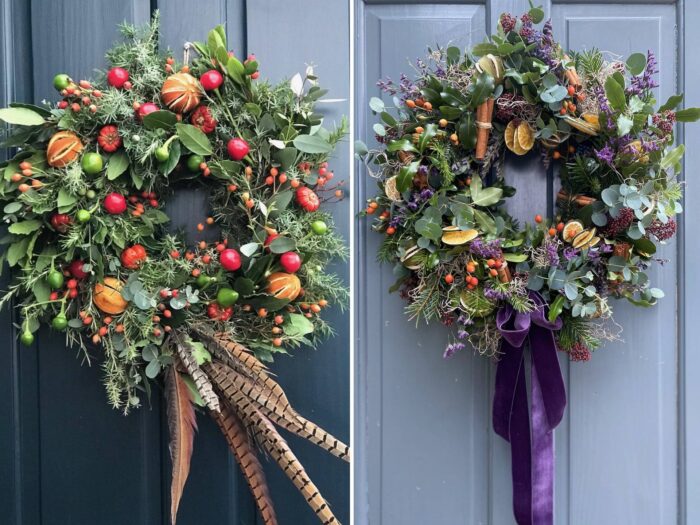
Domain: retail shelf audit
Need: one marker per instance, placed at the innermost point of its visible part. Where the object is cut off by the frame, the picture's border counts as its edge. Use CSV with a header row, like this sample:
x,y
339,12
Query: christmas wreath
x,y
463,260
84,204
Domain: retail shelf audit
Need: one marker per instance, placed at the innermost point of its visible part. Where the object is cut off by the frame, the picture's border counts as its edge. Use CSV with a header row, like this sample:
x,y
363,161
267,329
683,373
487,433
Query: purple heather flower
x,y
494,295
426,194
552,254
452,348
486,249
645,82
466,321
570,253
462,334
605,155
413,206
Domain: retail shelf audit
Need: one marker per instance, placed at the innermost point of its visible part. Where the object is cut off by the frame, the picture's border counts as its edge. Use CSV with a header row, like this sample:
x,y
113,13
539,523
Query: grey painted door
x,y
65,457
427,451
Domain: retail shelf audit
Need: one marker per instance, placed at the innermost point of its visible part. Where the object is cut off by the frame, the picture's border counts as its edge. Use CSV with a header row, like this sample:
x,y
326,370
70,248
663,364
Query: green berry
x,y
27,338
83,215
91,194
319,227
193,163
226,297
59,322
162,154
92,163
55,279
203,280
60,82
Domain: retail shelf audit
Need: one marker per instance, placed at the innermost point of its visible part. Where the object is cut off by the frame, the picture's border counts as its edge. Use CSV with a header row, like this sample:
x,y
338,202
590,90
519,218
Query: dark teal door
x,y
65,457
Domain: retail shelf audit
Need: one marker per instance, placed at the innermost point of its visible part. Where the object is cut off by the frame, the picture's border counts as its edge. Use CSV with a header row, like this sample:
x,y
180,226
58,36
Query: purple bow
x,y
532,455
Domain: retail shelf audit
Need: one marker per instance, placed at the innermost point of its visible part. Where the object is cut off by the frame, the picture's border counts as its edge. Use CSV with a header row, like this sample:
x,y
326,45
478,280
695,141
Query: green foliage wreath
x,y
458,253
86,237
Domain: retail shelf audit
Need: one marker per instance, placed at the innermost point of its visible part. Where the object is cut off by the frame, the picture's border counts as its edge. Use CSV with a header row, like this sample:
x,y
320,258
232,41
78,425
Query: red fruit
x,y
117,77
307,199
201,118
114,203
76,269
109,139
145,109
211,80
230,260
60,222
237,148
62,104
290,262
133,256
216,312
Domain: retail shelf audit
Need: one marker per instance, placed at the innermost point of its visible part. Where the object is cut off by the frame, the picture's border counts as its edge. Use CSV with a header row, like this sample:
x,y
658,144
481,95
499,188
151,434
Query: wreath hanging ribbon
x,y
531,436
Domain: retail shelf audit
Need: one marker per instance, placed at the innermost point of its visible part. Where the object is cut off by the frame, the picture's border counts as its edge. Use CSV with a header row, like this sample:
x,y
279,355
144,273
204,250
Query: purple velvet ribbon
x,y
532,452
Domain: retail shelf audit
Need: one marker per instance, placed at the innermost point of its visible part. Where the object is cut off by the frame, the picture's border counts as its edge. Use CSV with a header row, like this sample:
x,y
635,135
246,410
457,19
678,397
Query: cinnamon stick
x,y
484,115
504,274
581,200
572,75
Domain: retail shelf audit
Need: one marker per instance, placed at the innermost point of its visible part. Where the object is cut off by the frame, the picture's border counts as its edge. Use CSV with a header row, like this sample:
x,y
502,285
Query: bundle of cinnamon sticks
x,y
484,116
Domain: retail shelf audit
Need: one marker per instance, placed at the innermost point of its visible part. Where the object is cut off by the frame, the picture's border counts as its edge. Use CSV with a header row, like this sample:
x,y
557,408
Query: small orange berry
x,y
249,203
560,226
210,220
274,172
493,272
538,218
277,341
294,183
315,308
390,230
552,232
449,278
200,227
262,312
428,106
443,123
556,155
323,303
420,129
279,319
410,103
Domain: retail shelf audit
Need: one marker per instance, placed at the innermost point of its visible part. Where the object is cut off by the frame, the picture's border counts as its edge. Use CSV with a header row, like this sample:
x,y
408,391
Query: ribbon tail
x,y
511,421
542,457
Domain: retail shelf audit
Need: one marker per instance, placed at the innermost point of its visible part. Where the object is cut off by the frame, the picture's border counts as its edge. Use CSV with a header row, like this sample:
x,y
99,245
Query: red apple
x,y
237,148
76,269
211,80
290,262
230,260
145,109
114,203
117,77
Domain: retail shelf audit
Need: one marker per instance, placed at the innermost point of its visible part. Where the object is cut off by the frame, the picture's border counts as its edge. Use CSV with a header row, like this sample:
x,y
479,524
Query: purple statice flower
x,y
412,205
466,321
494,295
486,249
508,22
605,154
650,145
452,348
462,334
605,112
397,220
642,84
546,49
570,253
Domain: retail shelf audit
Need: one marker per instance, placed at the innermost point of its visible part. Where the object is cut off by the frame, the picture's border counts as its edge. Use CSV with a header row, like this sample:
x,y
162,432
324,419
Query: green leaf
x,y
312,144
406,173
244,286
400,145
17,250
467,131
236,70
173,158
25,227
117,164
193,139
537,14
673,157
615,94
425,137
286,157
485,222
671,103
376,104
483,89
282,244
624,125
296,325
488,196
484,49
688,115
636,63
21,117
515,257
161,119
453,55
65,200
36,109
200,353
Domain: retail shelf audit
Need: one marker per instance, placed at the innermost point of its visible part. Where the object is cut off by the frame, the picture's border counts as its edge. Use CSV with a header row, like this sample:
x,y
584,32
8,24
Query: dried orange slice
x,y
457,237
582,125
571,230
583,238
592,119
594,241
525,136
509,134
